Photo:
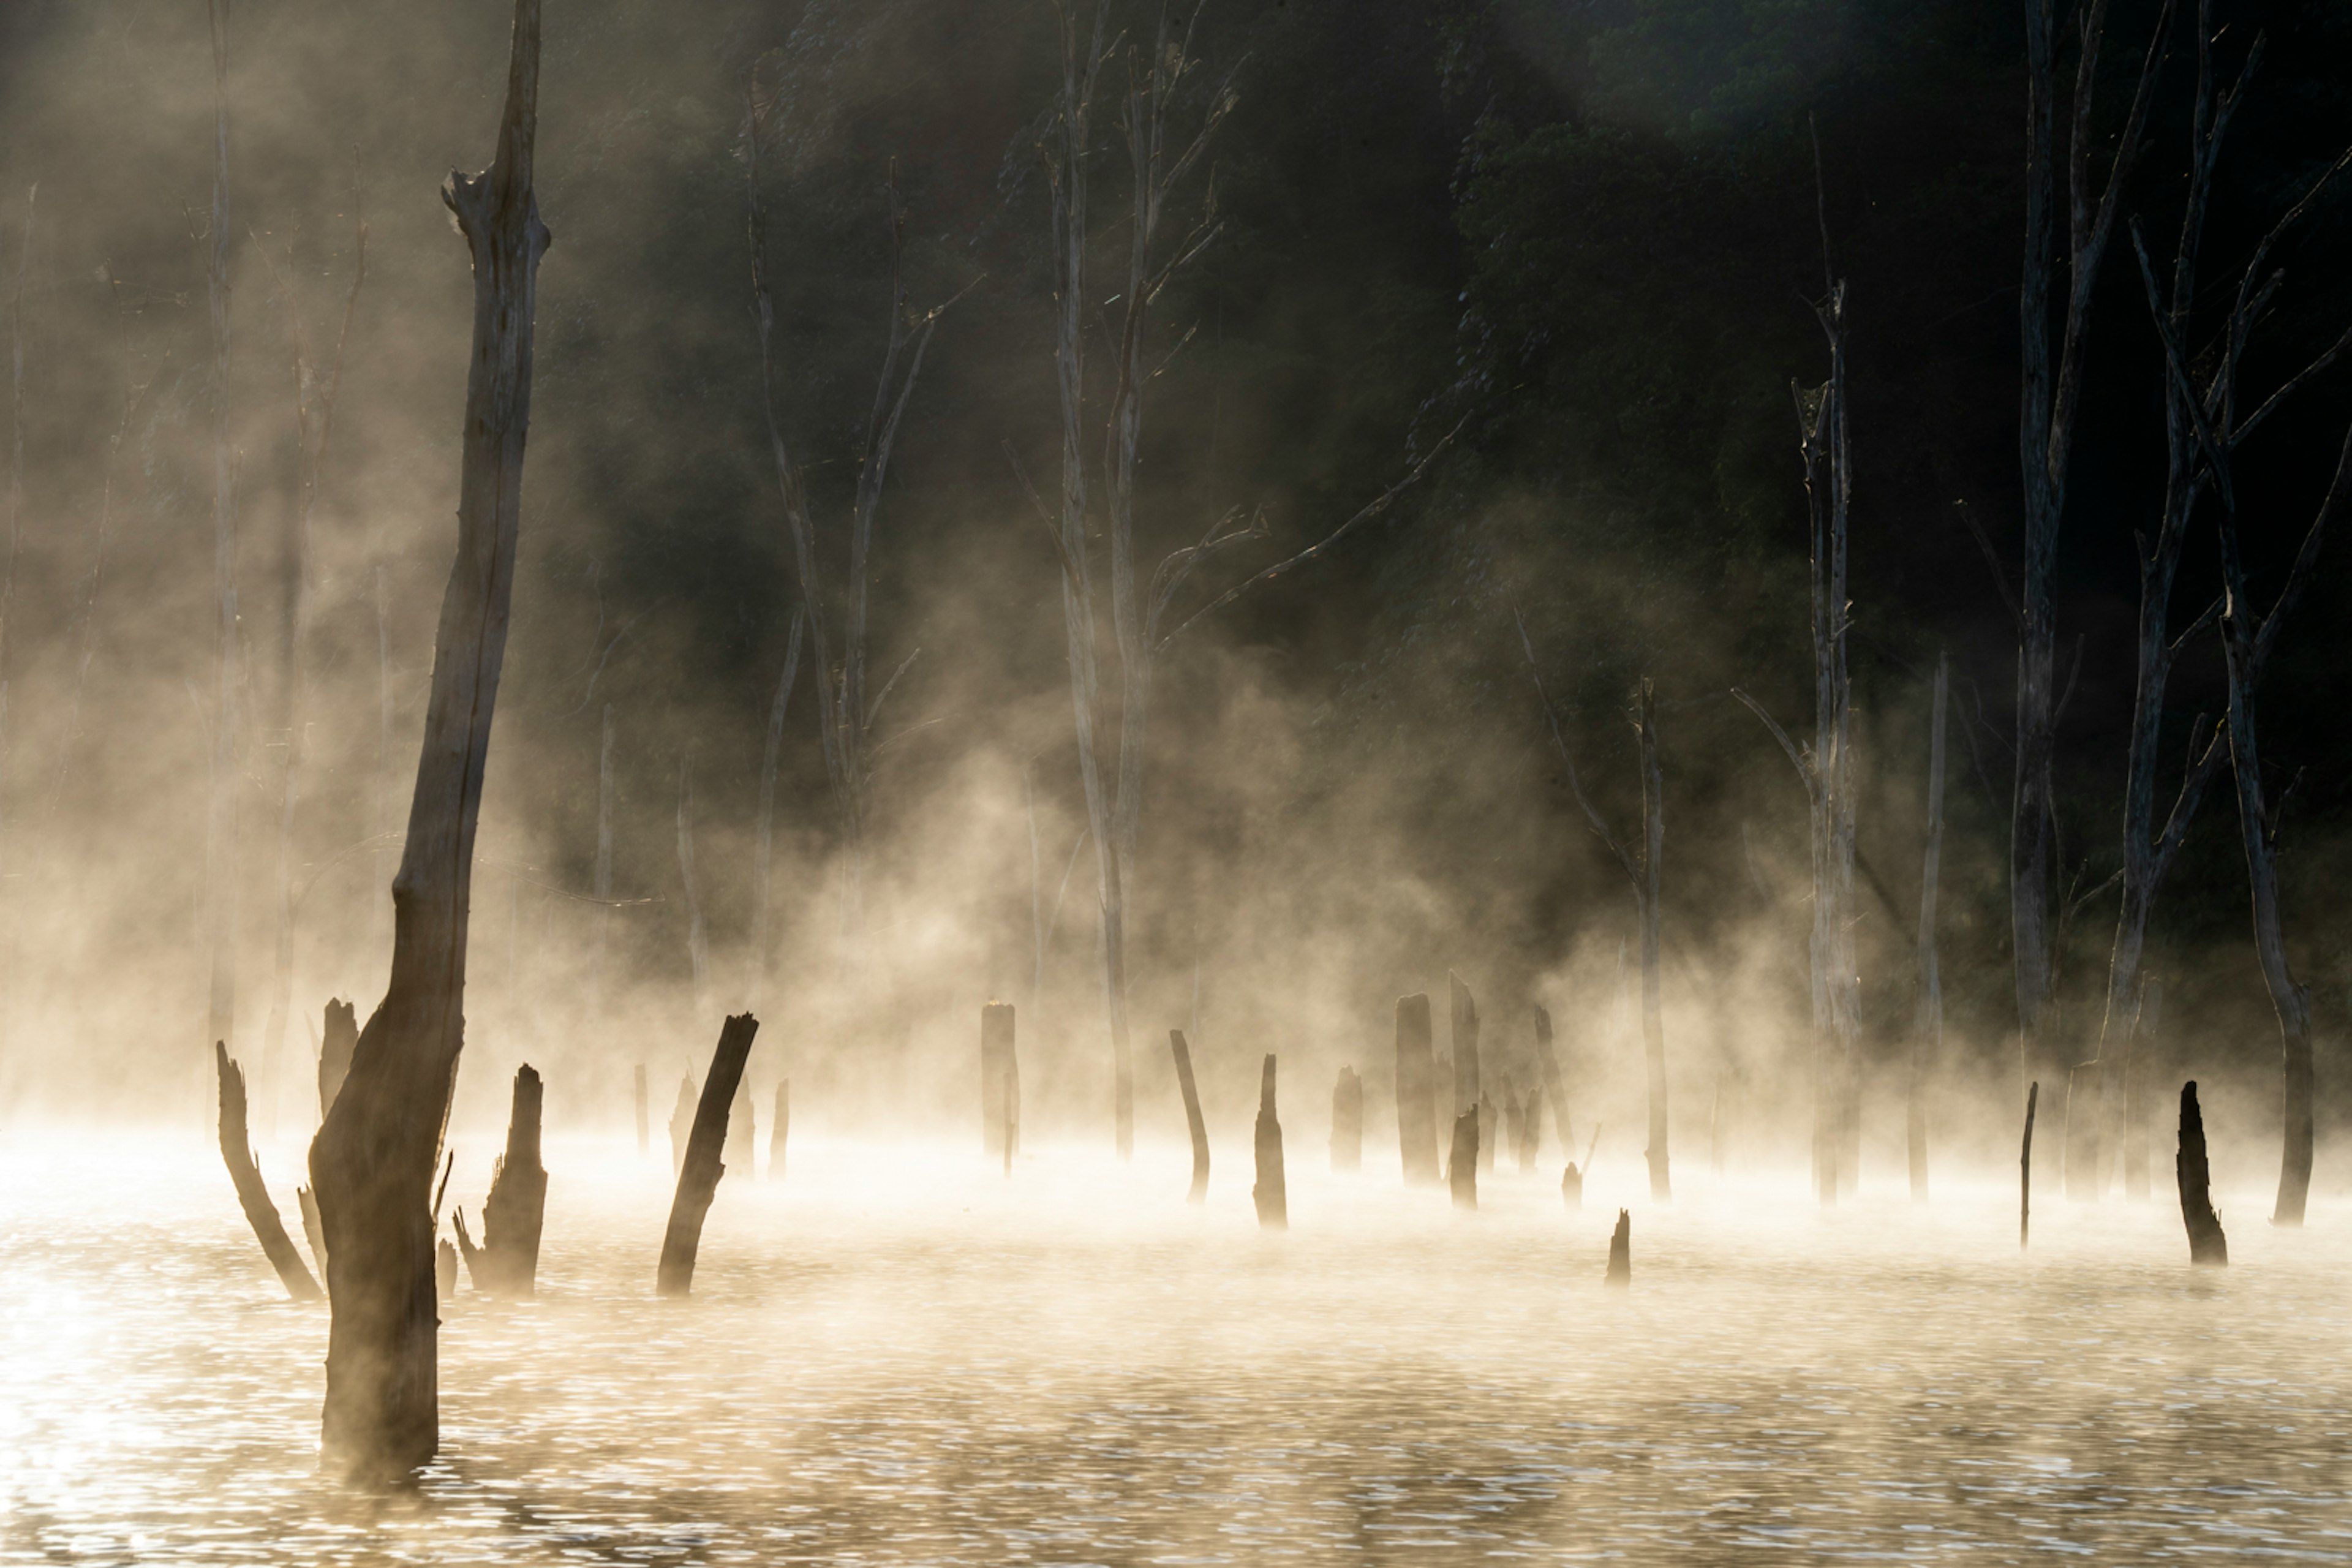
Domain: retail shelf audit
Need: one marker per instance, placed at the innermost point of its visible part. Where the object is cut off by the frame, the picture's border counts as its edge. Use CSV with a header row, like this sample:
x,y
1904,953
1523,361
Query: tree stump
x,y
245,1175
2207,1246
1416,1097
644,1114
1462,1164
1000,1082
2025,1169
1348,1122
781,1127
1572,1186
681,1123
1182,1052
517,1208
335,1046
1621,1252
698,1179
1272,1197
445,1272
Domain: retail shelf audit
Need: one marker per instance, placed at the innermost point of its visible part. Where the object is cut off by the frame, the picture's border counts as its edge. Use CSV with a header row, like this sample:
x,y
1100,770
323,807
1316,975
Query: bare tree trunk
x,y
236,1149
763,852
1927,1029
1653,1027
1463,1032
699,1173
1416,1093
515,1212
698,943
1193,1118
1271,1194
1462,1160
2025,1169
2207,1245
220,818
372,1161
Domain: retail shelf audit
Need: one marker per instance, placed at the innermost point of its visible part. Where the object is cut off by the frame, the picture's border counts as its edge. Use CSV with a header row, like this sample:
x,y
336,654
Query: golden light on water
x,y
899,1355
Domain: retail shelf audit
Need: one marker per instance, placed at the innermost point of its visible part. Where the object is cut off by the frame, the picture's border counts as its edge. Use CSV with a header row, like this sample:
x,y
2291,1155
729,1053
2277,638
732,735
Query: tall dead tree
x,y
845,713
314,426
764,849
2052,348
1642,874
373,1160
1160,158
220,815
2206,393
1928,1025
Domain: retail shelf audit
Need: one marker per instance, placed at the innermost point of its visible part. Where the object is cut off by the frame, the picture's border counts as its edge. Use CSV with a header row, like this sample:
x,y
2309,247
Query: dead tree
x,y
845,713
681,1123
1348,1121
1416,1091
2205,393
220,816
314,425
1642,874
2025,1169
445,1272
1271,1195
1928,1025
2051,372
1462,1160
645,1138
1159,159
763,852
781,1131
1621,1252
341,1039
1462,1031
508,1261
1000,1082
373,1158
698,1178
2207,1245
1193,1119
236,1149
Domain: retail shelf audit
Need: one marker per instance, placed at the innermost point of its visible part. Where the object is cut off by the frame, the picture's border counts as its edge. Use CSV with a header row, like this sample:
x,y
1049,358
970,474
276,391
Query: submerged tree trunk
x,y
1653,1028
1182,1052
517,1206
1273,1196
1621,1252
2207,1245
236,1149
373,1160
1463,1032
1927,1028
1416,1095
698,1179
1348,1122
2025,1169
1462,1161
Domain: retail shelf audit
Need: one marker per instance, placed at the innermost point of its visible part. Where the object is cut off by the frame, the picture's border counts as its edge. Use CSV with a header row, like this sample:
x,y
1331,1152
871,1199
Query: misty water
x,y
898,1355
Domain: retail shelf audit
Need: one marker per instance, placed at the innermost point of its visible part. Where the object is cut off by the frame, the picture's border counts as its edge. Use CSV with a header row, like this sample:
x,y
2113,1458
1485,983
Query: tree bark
x,y
445,1272
237,1150
1621,1252
1193,1119
311,1232
1416,1096
1927,1026
698,1179
999,1080
2025,1169
1272,1196
1462,1160
373,1158
1348,1122
1653,1028
2207,1245
516,1209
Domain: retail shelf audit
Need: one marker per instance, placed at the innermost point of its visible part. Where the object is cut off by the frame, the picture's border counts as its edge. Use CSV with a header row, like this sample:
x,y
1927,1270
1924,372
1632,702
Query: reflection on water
x,y
902,1358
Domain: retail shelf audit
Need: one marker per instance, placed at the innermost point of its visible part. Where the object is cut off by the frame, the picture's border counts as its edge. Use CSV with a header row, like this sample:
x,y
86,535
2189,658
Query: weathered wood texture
x,y
445,1271
2207,1245
1621,1252
2025,1169
999,1081
245,1174
515,1212
780,1130
342,1036
1462,1161
372,1161
1416,1097
1271,1193
1348,1121
698,1179
1182,1052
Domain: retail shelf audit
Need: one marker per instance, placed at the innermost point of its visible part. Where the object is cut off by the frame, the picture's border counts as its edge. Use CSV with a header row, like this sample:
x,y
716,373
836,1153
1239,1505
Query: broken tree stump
x,y
1416,1096
780,1130
1182,1052
2207,1246
1621,1252
645,1119
1000,1082
245,1174
1273,1196
2025,1169
516,1209
1572,1186
335,1046
445,1272
1461,1163
681,1123
698,1179
1348,1121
